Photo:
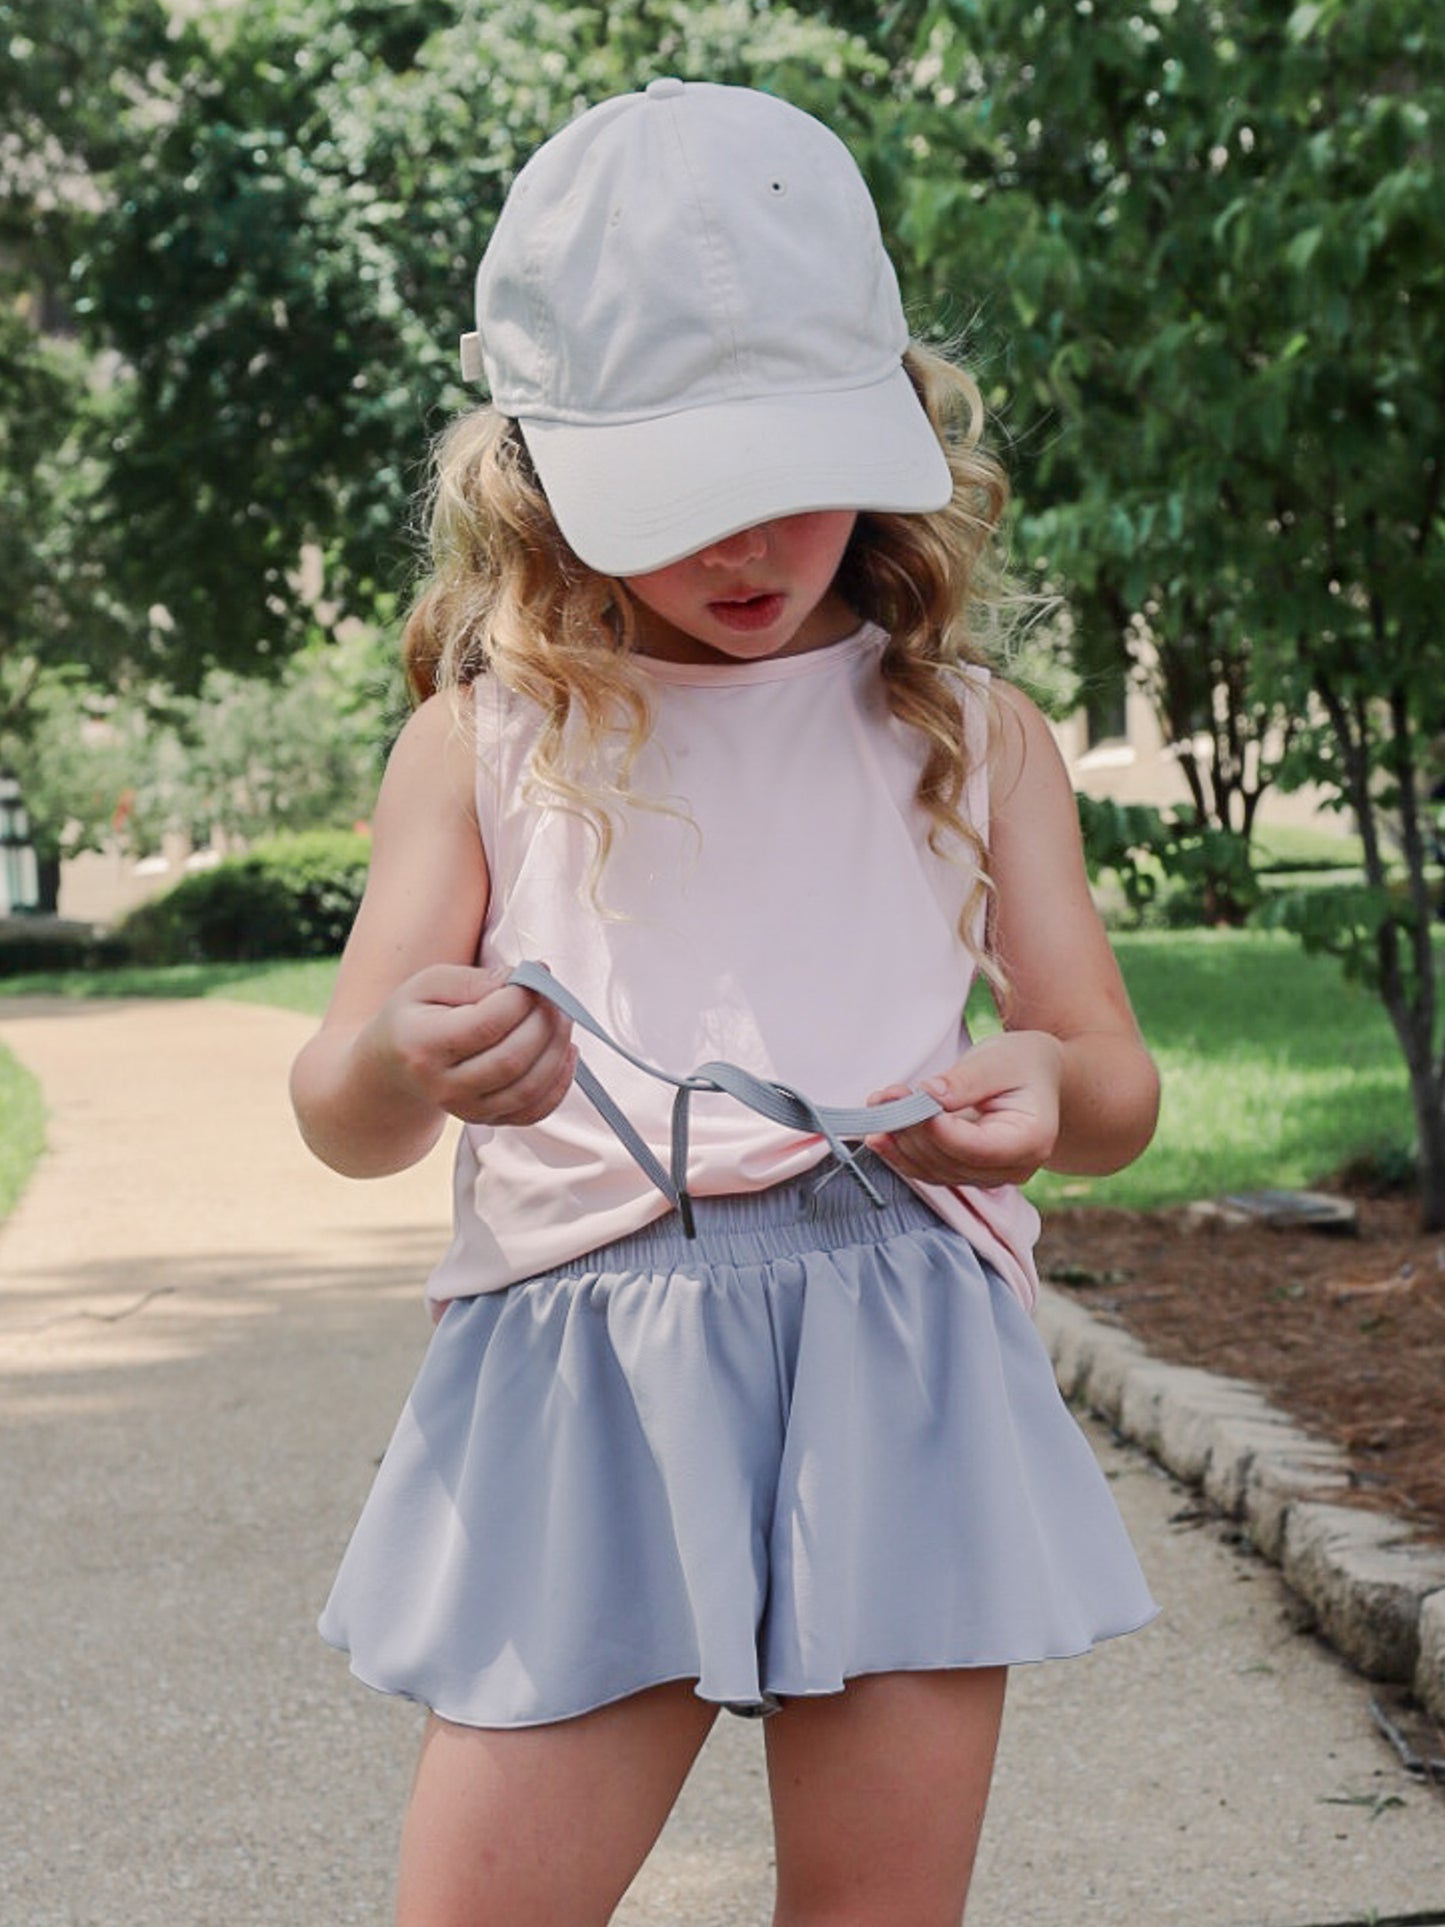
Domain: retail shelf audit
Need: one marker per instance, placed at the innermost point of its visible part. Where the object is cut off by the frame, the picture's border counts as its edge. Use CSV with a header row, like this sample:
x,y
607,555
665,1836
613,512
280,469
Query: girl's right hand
x,y
466,1041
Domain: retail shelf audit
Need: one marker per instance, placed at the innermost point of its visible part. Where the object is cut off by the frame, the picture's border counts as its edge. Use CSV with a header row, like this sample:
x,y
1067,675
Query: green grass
x,y
22,1129
1276,1072
291,986
1300,846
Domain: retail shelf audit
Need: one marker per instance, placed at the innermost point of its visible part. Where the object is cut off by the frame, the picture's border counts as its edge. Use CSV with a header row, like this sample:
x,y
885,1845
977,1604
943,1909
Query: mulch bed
x,y
1343,1331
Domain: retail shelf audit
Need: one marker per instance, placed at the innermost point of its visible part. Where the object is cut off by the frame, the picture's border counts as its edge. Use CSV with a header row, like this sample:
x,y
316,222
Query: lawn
x,y
22,1128
1276,1072
294,986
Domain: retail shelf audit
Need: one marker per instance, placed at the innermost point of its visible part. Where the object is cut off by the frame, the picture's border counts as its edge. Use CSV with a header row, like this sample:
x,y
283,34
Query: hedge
x,y
292,896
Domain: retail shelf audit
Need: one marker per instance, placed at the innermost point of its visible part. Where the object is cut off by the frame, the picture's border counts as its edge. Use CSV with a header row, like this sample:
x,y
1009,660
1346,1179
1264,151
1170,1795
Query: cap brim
x,y
631,497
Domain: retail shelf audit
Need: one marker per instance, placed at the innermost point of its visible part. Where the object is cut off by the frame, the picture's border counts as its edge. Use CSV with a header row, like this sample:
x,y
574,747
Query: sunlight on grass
x,y
22,1128
1291,844
301,986
1275,1071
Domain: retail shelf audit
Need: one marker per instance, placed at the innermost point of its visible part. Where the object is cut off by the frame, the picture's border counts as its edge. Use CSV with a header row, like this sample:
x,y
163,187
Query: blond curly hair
x,y
506,596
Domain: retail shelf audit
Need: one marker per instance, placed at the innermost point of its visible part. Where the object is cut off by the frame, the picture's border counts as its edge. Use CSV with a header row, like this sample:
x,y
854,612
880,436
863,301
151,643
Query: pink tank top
x,y
787,914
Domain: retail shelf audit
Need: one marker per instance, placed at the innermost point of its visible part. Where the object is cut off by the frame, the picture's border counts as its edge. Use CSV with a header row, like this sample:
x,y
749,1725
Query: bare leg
x,y
878,1798
543,1824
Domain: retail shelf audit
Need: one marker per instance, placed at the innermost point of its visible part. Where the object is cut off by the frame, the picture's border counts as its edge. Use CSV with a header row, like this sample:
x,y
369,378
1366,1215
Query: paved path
x,y
204,1339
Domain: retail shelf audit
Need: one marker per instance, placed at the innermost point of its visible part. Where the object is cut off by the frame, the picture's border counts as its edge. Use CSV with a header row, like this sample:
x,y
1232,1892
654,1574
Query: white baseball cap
x,y
687,307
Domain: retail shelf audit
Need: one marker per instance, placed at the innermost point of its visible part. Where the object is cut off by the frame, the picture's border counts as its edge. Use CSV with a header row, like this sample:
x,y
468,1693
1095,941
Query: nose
x,y
734,550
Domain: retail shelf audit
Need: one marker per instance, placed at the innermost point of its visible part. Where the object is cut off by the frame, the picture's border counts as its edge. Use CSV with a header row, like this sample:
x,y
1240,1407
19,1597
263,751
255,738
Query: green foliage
x,y
59,605
299,193
304,751
1211,237
245,756
1283,847
1213,246
1147,850
1347,923
27,948
75,761
295,896
1038,661
57,559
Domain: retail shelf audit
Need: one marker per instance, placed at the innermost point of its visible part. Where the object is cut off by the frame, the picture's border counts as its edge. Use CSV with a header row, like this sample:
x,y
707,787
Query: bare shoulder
x,y
434,753
1023,748
1030,789
426,813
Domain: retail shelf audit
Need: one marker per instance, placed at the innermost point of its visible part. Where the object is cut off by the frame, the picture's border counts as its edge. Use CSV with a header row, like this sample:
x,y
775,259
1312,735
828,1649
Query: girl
x,y
733,1398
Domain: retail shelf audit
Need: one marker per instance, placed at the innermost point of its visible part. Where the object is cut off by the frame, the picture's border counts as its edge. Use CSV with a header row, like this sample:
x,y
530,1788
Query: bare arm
x,y
415,1032
1069,1085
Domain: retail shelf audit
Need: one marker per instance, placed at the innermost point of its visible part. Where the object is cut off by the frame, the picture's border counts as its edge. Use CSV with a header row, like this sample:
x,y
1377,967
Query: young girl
x,y
734,1399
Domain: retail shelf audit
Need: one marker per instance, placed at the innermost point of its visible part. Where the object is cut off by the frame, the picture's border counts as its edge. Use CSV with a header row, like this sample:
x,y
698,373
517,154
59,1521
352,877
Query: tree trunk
x,y
47,865
1428,1098
1405,965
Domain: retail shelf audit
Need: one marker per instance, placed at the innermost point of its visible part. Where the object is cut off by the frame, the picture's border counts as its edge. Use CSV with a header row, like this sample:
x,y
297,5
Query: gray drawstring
x,y
775,1101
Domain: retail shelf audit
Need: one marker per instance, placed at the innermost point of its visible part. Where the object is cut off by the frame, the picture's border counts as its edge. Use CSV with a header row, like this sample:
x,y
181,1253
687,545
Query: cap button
x,y
667,88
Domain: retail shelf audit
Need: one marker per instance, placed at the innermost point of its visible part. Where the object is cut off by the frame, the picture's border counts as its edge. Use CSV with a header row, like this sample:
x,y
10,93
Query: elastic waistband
x,y
820,1210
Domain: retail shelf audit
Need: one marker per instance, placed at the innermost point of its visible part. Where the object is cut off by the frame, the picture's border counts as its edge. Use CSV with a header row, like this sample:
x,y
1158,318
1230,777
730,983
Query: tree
x,y
245,757
57,606
1217,234
301,194
301,751
265,219
1070,210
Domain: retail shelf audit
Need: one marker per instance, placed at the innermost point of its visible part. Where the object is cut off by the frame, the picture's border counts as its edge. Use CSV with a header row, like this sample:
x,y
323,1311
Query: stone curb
x,y
1375,1592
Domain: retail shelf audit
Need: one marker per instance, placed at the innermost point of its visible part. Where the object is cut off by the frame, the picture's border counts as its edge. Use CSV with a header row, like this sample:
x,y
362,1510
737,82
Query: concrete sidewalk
x,y
204,1341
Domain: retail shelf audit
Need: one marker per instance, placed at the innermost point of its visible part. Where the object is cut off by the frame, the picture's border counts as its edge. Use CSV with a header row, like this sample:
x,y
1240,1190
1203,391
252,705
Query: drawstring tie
x,y
835,1124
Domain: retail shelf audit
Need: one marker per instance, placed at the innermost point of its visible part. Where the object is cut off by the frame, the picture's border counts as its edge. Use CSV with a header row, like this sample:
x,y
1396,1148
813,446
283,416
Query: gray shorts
x,y
817,1440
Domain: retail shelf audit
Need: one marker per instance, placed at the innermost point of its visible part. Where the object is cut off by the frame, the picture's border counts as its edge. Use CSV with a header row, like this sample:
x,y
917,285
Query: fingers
x,y
484,1050
1004,1138
484,1091
999,1116
454,984
527,1100
503,1019
515,1060
955,1150
927,1152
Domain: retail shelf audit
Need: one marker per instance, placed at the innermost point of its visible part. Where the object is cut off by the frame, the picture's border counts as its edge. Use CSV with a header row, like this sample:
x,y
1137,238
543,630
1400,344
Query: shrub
x,y
293,896
1173,870
45,945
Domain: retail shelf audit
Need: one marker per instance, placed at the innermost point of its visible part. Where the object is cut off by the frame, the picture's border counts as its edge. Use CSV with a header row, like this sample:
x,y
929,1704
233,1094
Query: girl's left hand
x,y
1000,1118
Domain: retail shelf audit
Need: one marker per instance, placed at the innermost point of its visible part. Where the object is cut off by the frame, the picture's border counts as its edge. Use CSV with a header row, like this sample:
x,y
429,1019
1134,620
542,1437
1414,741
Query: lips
x,y
747,612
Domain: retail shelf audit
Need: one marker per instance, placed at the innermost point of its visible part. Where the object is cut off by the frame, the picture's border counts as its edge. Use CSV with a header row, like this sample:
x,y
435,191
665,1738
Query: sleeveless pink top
x,y
786,914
